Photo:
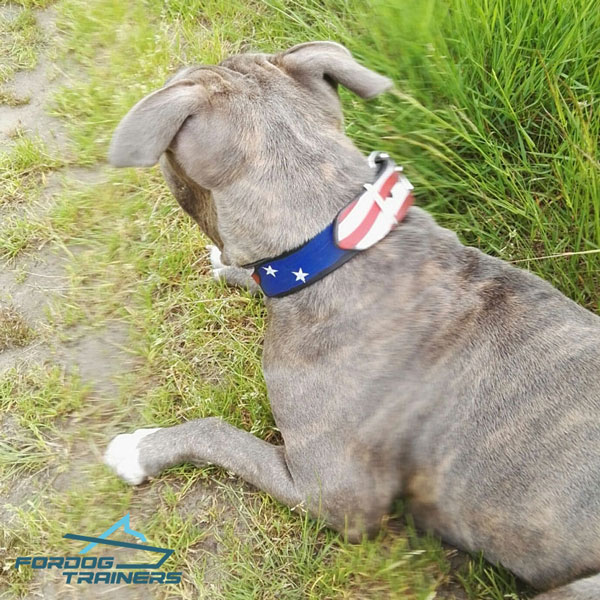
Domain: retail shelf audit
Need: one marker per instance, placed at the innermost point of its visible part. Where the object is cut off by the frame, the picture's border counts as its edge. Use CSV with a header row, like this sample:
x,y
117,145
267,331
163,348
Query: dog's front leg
x,y
147,452
235,276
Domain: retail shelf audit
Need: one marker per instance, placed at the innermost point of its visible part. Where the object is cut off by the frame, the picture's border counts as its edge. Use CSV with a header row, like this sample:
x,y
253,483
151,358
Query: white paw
x,y
122,456
215,261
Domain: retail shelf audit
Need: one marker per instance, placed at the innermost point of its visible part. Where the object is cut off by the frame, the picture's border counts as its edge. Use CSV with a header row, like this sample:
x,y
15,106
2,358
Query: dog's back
x,y
478,381
505,454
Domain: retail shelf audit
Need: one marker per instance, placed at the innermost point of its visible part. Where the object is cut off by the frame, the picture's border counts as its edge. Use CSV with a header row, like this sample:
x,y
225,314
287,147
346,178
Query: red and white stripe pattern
x,y
369,218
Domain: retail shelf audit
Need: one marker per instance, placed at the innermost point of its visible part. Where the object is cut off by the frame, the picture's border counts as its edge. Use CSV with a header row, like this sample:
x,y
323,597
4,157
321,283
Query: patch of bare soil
x,y
36,86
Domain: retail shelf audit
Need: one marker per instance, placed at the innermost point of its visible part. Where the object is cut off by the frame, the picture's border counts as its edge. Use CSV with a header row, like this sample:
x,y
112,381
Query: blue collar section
x,y
301,267
364,222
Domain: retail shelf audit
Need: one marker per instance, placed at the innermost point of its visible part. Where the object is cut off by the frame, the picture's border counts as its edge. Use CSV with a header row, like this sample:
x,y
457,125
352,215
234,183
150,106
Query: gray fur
x,y
147,130
420,368
317,64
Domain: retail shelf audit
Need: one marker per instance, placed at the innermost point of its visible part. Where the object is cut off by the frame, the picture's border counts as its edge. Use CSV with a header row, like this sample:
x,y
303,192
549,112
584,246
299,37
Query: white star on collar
x,y
270,270
300,275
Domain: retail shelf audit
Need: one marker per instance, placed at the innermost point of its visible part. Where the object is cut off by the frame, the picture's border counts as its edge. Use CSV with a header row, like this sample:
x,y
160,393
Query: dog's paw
x,y
237,276
218,268
123,456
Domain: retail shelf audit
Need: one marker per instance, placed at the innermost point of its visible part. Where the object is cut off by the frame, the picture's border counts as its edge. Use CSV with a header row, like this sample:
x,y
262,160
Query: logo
x,y
106,569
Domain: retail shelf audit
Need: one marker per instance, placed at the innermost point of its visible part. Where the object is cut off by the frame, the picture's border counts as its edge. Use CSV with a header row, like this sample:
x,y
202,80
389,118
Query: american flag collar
x,y
365,221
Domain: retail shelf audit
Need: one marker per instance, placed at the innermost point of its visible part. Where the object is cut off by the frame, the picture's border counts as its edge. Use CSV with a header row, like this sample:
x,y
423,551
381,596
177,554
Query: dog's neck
x,y
288,200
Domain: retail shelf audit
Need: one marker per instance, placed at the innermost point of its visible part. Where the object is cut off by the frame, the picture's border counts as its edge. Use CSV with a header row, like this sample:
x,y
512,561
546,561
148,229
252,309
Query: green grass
x,y
312,562
19,234
33,406
20,40
480,580
23,167
34,3
495,116
11,99
41,396
14,330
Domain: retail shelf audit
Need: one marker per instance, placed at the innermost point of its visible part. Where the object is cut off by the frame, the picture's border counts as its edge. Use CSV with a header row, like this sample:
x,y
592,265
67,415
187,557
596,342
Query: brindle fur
x,y
421,368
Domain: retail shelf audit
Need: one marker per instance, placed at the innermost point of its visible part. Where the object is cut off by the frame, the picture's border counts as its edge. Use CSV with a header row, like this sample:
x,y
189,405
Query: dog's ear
x,y
149,127
316,63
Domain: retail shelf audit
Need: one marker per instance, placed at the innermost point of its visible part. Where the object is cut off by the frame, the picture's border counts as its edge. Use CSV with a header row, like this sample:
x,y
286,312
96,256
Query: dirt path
x,y
33,283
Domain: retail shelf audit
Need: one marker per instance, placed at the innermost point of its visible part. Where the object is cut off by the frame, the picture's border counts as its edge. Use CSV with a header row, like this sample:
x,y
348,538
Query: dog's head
x,y
251,113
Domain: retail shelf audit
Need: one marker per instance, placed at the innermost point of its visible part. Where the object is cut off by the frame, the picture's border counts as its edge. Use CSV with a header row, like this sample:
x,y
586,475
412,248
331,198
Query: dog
x,y
416,367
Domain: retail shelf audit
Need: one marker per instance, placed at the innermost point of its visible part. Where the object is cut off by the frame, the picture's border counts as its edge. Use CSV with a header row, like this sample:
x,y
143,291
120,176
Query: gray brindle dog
x,y
420,368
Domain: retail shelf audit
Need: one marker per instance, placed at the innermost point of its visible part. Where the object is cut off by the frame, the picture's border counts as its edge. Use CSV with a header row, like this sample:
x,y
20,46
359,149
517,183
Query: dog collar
x,y
365,221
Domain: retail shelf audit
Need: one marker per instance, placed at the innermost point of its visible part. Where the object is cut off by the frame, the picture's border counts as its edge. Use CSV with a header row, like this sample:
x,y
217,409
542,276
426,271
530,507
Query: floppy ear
x,y
313,63
148,128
